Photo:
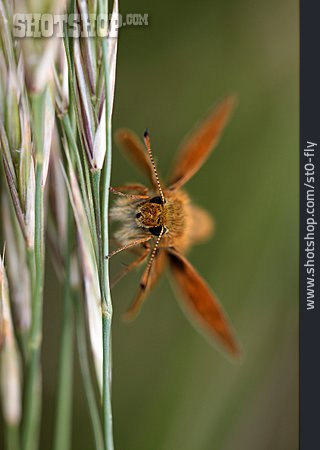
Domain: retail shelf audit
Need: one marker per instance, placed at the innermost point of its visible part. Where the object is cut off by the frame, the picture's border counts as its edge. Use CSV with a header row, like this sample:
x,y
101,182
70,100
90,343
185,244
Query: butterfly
x,y
160,223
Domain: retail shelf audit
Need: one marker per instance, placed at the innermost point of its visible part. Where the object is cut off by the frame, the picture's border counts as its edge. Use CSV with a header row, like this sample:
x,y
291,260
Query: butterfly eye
x,y
138,215
155,230
157,200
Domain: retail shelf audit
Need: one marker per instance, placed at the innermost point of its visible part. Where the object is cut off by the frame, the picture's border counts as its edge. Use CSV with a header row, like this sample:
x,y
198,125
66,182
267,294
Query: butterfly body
x,y
146,218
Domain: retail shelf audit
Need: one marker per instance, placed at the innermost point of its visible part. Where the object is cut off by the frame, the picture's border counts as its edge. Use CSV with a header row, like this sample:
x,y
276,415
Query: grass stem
x,y
87,375
62,435
107,304
31,425
12,437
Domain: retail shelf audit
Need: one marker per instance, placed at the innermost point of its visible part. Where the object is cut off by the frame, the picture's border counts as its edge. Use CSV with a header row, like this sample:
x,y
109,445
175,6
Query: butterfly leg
x,y
124,191
129,245
137,262
159,264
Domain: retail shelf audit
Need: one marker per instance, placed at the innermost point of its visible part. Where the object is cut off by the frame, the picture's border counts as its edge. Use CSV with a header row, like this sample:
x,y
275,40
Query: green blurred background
x,y
171,389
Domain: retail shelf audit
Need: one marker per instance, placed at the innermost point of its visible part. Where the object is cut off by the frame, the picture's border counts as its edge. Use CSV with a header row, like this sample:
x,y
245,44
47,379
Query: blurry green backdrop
x,y
171,389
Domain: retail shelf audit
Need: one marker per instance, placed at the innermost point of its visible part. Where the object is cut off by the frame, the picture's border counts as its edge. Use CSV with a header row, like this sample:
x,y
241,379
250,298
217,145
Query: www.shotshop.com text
x,y
309,237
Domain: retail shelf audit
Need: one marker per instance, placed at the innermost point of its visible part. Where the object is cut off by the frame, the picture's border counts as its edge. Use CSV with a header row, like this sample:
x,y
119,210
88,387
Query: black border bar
x,y
309,224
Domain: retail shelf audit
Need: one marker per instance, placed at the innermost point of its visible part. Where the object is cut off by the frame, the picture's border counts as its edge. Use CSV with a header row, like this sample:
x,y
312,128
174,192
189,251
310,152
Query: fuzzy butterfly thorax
x,y
139,217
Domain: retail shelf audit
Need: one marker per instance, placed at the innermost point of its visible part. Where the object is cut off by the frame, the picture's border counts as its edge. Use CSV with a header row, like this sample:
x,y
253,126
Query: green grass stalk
x,y
87,375
32,407
96,177
63,424
106,304
12,437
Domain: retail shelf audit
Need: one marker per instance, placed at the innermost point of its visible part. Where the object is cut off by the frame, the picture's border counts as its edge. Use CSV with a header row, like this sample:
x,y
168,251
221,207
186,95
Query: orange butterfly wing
x,y
197,147
202,305
202,224
135,150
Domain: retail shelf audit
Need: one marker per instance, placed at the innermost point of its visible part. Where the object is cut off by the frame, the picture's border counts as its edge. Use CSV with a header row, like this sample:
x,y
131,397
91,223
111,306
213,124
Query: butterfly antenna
x,y
147,143
153,254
